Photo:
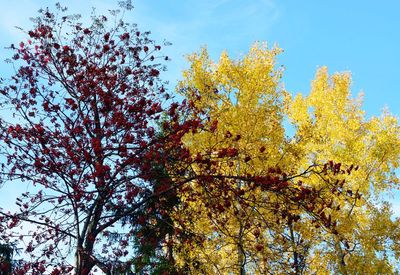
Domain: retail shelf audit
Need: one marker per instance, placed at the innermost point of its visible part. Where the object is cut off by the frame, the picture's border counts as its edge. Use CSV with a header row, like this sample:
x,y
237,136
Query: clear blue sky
x,y
358,36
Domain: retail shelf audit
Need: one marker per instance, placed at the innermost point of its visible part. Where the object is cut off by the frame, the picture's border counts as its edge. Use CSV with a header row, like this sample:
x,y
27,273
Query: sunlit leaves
x,y
311,222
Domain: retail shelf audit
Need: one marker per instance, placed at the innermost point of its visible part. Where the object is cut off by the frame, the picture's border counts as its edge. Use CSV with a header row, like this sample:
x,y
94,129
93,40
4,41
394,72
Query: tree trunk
x,y
340,257
83,265
241,254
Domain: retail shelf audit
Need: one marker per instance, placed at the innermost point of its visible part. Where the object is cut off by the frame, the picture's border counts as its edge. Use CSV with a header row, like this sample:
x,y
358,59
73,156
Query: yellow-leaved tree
x,y
314,209
330,125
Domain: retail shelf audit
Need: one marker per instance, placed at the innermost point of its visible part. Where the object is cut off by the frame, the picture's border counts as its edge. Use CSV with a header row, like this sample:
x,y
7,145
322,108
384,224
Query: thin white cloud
x,y
15,15
188,25
222,24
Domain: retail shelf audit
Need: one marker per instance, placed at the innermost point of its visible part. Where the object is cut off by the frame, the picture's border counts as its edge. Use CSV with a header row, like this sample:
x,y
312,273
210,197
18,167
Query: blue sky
x,y
343,35
358,36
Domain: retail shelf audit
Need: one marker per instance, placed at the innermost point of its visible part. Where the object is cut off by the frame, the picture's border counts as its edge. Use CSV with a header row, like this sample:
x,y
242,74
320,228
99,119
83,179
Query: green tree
x,y
6,258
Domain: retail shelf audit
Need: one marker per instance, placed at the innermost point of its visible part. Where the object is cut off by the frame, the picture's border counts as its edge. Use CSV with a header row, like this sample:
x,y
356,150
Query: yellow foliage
x,y
245,106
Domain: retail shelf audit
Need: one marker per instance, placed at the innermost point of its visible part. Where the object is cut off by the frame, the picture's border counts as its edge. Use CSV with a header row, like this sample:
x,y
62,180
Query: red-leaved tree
x,y
85,131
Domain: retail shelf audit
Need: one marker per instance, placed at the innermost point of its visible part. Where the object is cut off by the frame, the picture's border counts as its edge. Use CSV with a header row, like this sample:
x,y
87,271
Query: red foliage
x,y
88,107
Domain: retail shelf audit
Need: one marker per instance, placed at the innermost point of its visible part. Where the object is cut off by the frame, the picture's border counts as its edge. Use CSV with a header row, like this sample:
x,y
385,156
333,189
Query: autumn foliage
x,y
86,108
309,208
120,177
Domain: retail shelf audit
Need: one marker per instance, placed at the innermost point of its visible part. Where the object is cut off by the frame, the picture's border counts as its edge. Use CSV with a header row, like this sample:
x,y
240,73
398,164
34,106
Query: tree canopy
x,y
237,176
273,233
86,101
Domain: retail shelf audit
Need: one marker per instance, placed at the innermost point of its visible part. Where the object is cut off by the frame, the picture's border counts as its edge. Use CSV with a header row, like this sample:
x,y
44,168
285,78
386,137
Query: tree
x,y
332,125
6,253
87,102
119,175
338,153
